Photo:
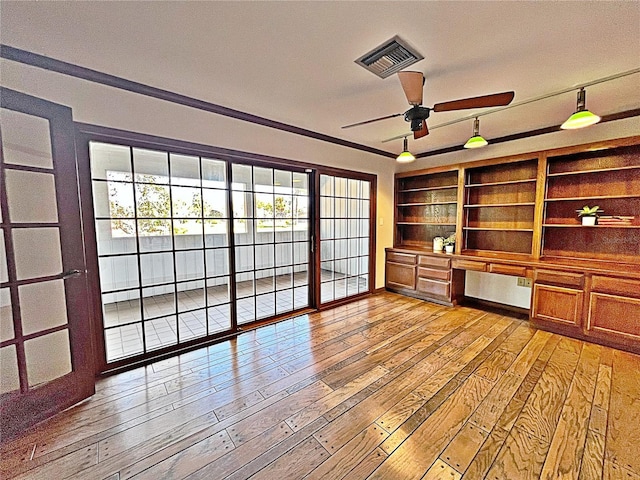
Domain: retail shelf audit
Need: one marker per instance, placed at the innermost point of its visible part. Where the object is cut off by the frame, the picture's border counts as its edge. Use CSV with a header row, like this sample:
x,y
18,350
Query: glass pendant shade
x,y
580,119
476,141
405,156
583,117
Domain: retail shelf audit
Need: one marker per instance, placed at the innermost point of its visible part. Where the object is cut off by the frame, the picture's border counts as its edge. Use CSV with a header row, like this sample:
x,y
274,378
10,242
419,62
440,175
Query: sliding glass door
x,y
345,237
272,241
191,247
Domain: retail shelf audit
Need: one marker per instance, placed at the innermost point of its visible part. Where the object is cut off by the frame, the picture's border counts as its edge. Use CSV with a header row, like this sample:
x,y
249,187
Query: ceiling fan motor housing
x,y
416,115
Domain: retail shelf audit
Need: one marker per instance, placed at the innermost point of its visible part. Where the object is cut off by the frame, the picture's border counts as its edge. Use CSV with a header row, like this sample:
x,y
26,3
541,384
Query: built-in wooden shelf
x,y
496,205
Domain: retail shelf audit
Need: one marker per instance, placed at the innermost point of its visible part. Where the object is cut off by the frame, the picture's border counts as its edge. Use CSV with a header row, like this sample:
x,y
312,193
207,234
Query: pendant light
x,y
476,141
405,156
582,117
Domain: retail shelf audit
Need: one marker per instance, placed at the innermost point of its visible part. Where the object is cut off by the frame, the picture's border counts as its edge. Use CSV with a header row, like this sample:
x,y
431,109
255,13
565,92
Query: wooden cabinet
x,y
499,207
424,276
614,309
517,216
426,207
608,178
400,270
556,304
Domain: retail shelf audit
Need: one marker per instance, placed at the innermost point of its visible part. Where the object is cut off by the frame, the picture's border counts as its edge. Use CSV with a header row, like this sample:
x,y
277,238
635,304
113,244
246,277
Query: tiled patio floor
x,y
194,316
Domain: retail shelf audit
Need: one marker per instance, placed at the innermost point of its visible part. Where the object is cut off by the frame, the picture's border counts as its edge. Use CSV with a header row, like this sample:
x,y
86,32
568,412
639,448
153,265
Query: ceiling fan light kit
x,y
476,141
413,85
582,117
406,156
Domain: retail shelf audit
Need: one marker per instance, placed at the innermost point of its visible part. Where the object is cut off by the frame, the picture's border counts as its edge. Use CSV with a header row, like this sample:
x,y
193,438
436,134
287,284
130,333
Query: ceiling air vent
x,y
390,57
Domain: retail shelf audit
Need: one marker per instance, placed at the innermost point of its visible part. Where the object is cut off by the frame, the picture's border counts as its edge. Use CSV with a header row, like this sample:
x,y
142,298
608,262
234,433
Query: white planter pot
x,y
449,248
437,244
589,221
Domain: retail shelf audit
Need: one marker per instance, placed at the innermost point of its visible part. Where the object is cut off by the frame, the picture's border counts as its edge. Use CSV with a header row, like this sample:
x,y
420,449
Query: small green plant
x,y
588,211
450,240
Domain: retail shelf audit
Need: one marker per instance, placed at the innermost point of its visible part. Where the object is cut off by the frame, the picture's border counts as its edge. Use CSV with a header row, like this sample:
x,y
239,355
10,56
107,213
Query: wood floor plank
x,y
567,445
363,469
485,457
464,447
250,457
593,457
414,457
190,459
623,432
259,422
441,471
294,464
521,456
613,471
542,409
341,462
385,387
326,403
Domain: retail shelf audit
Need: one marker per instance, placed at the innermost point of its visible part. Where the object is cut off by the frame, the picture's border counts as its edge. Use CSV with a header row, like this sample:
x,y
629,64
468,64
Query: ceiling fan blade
x,y
372,120
423,132
412,83
494,100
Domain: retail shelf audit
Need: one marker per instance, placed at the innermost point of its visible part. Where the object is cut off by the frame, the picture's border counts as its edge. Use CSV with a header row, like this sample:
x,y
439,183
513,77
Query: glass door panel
x,y
344,237
162,239
272,241
45,351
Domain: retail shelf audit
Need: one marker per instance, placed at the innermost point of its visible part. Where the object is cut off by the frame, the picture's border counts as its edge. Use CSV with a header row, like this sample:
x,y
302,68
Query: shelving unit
x,y
607,178
499,208
426,207
517,216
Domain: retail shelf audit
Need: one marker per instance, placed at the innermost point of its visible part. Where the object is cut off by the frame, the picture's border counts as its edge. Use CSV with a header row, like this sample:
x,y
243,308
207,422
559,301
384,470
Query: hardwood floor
x,y
385,388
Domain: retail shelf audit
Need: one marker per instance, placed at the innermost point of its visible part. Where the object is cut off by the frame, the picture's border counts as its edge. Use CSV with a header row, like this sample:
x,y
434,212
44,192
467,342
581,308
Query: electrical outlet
x,y
524,282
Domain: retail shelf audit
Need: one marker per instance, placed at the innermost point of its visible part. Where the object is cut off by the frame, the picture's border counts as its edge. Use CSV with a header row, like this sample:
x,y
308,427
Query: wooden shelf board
x,y
488,254
497,229
595,170
596,197
427,223
567,225
506,182
426,204
426,189
493,205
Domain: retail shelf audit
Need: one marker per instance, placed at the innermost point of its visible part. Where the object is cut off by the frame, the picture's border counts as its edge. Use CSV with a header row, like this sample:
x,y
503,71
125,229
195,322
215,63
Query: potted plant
x,y
589,215
449,243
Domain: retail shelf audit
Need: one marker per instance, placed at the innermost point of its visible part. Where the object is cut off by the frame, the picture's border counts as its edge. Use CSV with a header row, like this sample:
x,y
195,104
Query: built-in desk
x,y
586,300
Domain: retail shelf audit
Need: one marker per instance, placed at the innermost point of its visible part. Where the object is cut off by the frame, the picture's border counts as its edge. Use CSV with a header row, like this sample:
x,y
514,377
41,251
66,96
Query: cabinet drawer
x,y
469,265
557,304
433,287
559,278
443,275
398,275
508,269
440,262
406,258
616,286
614,315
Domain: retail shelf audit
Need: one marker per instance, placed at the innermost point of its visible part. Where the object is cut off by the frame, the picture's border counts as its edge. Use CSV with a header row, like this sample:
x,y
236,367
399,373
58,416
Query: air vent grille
x,y
390,57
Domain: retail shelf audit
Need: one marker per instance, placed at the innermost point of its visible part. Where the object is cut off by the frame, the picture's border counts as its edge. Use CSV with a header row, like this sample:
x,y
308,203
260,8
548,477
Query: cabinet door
x,y
400,276
559,305
434,287
614,316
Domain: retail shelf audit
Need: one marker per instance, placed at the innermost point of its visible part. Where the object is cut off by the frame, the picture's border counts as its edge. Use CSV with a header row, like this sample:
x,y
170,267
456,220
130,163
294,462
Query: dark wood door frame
x,y
29,405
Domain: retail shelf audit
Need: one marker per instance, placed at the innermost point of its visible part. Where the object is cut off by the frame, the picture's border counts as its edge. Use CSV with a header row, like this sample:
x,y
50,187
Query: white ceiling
x,y
293,62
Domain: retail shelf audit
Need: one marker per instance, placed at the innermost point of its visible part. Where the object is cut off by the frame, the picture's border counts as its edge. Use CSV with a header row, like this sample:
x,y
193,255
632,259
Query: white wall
x,y
497,288
110,107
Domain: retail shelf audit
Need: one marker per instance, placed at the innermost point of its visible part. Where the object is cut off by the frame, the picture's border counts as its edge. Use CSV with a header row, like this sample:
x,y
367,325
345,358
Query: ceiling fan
x,y
412,83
